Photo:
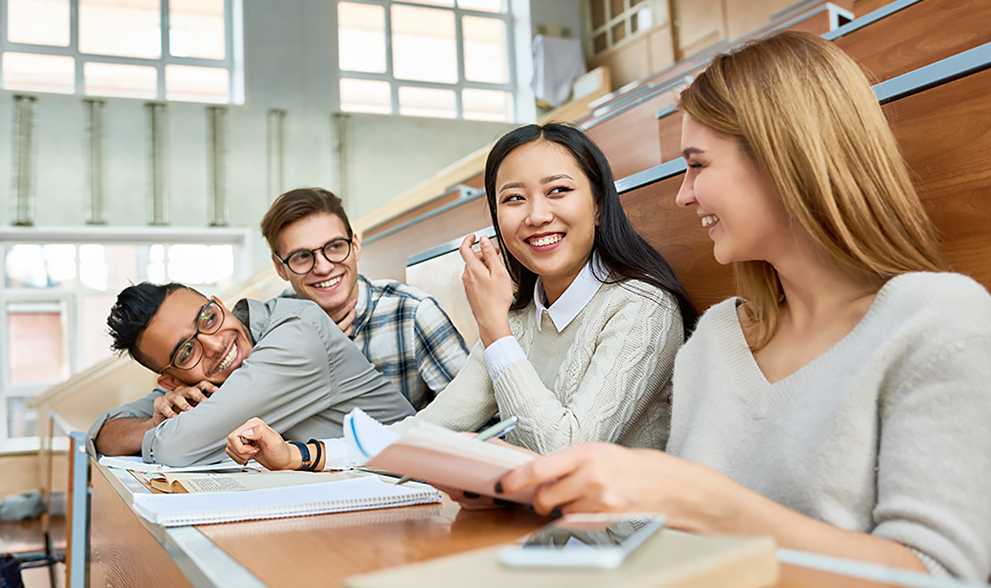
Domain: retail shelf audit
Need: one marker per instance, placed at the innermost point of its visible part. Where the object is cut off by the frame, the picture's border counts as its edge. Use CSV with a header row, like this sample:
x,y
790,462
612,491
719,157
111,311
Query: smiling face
x,y
330,285
546,211
734,200
175,322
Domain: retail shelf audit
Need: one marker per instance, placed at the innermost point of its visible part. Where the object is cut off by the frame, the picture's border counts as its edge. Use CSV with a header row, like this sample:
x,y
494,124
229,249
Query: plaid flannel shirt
x,y
406,335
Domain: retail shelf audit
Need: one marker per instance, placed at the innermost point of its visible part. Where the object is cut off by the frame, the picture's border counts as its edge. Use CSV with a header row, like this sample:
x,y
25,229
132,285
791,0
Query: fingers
x,y
241,444
471,258
488,250
542,470
163,408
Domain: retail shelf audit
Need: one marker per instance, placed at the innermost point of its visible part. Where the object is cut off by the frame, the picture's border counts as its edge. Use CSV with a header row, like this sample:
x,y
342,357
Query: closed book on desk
x,y
668,560
436,455
365,493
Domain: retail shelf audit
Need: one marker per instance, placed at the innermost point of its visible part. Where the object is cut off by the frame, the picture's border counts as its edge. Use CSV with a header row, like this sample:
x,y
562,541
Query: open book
x,y
434,454
361,493
182,482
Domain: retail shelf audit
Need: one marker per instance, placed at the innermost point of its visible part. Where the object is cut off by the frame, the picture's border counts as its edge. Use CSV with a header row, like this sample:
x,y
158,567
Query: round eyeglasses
x,y
301,262
189,353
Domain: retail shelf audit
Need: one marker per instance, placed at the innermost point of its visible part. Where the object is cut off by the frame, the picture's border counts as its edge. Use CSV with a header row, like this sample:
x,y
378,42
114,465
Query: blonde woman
x,y
840,404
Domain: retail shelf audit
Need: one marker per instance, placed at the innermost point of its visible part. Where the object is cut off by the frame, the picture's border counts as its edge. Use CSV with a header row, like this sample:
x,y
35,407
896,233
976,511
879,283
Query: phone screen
x,y
583,540
588,534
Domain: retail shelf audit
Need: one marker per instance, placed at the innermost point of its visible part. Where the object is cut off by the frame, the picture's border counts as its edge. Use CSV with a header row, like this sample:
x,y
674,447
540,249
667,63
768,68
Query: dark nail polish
x,y
556,513
498,487
470,494
501,502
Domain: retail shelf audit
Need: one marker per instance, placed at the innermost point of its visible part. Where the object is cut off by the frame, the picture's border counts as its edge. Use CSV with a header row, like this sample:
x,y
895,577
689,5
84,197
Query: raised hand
x,y
489,289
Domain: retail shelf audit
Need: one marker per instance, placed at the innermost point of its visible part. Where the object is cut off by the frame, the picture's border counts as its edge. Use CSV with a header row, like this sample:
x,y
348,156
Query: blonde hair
x,y
806,114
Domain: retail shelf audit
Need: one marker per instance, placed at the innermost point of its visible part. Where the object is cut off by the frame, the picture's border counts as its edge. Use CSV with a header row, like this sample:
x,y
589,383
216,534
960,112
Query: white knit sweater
x,y
888,432
614,383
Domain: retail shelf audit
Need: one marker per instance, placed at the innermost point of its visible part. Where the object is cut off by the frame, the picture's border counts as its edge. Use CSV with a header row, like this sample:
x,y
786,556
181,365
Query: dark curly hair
x,y
135,307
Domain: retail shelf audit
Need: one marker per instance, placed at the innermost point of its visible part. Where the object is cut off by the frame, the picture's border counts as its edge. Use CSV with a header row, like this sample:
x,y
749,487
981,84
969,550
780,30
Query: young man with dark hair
x,y
284,359
402,331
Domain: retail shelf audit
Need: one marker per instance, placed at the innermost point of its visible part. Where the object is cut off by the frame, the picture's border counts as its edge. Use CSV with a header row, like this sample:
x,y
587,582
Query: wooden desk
x,y
325,550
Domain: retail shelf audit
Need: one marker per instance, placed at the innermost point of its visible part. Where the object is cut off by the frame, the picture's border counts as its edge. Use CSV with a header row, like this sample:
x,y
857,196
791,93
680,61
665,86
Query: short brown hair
x,y
298,204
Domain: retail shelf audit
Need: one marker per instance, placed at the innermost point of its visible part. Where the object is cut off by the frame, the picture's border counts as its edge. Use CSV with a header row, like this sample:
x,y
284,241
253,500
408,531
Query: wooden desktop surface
x,y
325,550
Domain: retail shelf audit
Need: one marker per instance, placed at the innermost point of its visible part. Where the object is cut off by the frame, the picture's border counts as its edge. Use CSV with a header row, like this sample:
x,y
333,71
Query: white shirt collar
x,y
575,298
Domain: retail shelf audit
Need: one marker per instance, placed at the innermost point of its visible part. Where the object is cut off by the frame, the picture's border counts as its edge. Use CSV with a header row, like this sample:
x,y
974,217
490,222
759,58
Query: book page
x,y
220,482
134,463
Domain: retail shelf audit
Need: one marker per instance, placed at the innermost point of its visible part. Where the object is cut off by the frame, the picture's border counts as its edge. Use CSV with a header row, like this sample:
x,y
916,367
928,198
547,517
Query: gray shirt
x,y
301,377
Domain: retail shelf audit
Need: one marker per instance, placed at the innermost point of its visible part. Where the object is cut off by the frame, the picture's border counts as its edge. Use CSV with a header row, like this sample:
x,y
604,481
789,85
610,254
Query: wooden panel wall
x,y
122,552
945,135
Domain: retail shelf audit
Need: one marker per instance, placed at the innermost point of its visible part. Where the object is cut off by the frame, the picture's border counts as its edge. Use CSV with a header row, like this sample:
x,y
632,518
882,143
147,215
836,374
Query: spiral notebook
x,y
366,493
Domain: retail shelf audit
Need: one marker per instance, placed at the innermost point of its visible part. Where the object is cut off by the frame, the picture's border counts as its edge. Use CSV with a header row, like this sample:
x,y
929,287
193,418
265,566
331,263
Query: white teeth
x,y
708,221
229,359
329,283
548,240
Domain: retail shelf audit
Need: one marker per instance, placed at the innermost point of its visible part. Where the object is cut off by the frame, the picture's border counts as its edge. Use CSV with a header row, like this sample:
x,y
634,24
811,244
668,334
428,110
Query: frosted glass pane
x,y
21,420
39,73
40,22
196,28
427,102
487,105
361,37
112,79
129,28
486,55
365,96
485,5
197,84
423,44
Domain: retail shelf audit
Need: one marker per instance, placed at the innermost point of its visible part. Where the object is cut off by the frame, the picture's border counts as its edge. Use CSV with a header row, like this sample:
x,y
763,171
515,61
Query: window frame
x,y
511,86
239,238
233,54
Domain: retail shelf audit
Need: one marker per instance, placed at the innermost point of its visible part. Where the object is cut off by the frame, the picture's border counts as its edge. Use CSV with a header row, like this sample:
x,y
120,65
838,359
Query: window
x,y
57,290
116,48
436,58
612,21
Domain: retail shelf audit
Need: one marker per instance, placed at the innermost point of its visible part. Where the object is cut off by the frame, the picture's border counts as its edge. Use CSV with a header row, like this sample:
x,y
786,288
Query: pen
x,y
495,431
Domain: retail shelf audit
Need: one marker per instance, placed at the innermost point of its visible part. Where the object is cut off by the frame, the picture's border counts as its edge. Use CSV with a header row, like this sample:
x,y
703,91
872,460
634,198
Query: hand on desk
x,y
260,442
181,399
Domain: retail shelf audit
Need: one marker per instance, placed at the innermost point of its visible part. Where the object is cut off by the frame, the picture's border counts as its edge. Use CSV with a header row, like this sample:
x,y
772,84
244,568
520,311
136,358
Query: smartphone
x,y
583,540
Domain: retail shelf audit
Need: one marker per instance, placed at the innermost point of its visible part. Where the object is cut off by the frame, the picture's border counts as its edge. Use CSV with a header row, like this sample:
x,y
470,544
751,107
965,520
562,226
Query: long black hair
x,y
619,247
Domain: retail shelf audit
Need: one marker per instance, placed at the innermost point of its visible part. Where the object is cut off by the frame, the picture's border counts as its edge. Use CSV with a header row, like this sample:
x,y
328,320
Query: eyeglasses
x,y
301,262
189,353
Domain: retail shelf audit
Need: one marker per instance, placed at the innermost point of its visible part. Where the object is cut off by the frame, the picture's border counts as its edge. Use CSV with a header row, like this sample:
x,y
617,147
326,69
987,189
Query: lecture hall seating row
x,y
901,36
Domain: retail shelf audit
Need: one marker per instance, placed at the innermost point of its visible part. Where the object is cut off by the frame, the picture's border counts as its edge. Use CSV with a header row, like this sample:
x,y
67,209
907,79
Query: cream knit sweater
x,y
614,383
888,432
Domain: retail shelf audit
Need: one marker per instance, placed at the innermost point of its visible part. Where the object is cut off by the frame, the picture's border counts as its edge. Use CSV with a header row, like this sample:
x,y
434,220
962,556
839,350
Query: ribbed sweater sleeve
x,y
467,402
616,372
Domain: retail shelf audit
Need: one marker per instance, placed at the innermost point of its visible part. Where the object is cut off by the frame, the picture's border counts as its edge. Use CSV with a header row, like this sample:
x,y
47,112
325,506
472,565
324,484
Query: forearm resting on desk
x,y
123,436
